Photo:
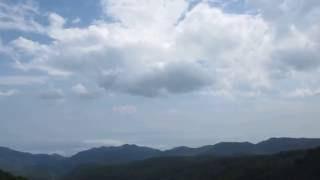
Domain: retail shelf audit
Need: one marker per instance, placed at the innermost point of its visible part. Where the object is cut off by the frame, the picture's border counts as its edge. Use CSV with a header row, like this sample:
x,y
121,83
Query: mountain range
x,y
290,165
43,166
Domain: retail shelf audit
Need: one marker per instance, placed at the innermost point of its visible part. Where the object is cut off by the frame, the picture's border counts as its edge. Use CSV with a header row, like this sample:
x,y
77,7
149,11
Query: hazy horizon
x,y
74,151
76,74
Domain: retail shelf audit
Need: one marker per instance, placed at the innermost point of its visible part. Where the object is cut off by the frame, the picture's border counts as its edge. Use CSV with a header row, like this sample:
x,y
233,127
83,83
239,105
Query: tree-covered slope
x,y
299,165
43,167
8,176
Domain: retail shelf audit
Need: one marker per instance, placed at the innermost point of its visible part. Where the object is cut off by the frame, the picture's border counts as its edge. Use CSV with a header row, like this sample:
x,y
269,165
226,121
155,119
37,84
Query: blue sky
x,y
79,74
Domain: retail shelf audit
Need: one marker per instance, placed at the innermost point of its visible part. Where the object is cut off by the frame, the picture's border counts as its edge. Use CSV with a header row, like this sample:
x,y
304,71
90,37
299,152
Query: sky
x,y
161,73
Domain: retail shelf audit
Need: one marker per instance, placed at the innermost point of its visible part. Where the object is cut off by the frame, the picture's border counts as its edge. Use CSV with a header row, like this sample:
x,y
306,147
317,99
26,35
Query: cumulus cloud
x,y
287,12
295,57
155,48
171,78
56,21
137,15
298,51
31,55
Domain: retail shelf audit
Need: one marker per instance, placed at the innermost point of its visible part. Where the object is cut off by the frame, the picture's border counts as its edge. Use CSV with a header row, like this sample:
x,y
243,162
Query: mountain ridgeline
x,y
270,146
42,166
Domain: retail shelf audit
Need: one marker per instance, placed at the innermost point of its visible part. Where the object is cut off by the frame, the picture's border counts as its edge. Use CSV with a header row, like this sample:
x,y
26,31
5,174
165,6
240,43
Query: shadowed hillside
x,y
42,166
299,165
8,176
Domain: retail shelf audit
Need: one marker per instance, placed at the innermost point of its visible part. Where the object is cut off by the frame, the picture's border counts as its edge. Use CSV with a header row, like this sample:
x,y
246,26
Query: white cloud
x,y
82,91
31,55
234,47
124,109
20,16
24,45
139,14
297,51
79,89
56,21
162,47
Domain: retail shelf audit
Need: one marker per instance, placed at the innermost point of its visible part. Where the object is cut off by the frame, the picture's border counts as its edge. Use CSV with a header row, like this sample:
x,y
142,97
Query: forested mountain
x,y
31,165
113,155
8,176
270,146
42,166
298,165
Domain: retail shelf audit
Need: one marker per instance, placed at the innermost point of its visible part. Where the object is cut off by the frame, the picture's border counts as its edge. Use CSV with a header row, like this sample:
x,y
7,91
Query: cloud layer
x,y
156,48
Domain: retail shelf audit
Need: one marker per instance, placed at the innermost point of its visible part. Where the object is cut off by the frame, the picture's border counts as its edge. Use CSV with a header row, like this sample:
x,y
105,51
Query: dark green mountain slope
x,y
35,166
270,146
42,167
8,176
113,155
299,165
